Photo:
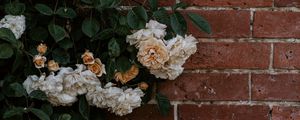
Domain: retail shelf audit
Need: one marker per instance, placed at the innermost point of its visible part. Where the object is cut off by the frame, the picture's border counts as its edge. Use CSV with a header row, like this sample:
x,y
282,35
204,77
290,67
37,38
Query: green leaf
x,y
6,51
178,24
15,8
65,117
110,68
66,12
87,1
153,5
44,9
200,22
57,32
114,48
103,4
18,60
104,35
137,17
17,90
47,108
180,5
1,96
38,34
12,112
90,27
162,16
7,35
39,113
123,64
66,44
61,56
84,107
38,94
163,104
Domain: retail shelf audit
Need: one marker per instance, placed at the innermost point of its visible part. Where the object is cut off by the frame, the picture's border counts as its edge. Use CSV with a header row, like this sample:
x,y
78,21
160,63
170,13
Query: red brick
x,y
208,86
147,112
231,3
223,112
160,2
287,3
285,113
224,23
276,87
287,55
230,55
270,24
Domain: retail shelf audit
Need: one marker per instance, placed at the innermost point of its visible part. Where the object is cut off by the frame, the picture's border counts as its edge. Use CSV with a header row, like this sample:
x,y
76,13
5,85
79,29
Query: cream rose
x,y
53,66
39,61
42,48
88,58
152,53
98,68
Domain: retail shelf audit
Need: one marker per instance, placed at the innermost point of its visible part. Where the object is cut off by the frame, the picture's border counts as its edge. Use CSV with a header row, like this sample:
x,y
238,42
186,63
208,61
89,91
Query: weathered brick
x,y
285,113
287,3
146,112
276,24
230,55
223,112
287,55
276,87
160,2
231,3
209,86
224,23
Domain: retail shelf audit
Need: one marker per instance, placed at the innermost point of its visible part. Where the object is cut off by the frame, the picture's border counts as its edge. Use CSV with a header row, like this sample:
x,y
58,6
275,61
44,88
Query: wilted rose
x,y
128,75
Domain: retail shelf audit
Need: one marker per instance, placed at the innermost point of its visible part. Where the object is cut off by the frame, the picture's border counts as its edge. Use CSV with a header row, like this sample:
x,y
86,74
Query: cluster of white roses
x,y
164,58
15,23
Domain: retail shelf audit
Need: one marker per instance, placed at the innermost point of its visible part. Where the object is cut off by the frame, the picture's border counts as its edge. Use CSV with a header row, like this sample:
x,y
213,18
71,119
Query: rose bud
x,y
88,58
42,48
39,61
143,86
53,66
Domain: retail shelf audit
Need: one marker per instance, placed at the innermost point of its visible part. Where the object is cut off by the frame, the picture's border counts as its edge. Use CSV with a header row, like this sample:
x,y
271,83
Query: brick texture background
x,y
248,69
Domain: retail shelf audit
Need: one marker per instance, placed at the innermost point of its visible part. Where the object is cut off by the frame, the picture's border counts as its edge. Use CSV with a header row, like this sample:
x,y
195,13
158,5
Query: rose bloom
x,y
128,75
42,48
98,68
152,53
39,61
52,65
88,58
143,86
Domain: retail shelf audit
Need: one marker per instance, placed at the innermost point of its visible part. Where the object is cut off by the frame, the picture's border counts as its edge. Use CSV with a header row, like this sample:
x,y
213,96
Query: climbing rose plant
x,y
67,59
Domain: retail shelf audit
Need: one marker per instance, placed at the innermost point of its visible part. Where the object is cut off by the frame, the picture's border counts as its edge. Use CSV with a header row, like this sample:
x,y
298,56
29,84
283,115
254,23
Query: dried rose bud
x,y
143,86
39,61
42,48
53,66
128,75
98,68
88,58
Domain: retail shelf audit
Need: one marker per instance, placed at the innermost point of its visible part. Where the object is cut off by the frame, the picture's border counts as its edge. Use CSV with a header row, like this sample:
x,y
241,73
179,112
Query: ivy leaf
x,y
13,112
179,5
162,16
137,17
44,9
57,32
66,44
66,12
38,94
84,108
90,27
200,22
153,5
114,48
163,104
123,64
15,8
41,36
7,35
47,108
65,117
15,90
39,113
110,69
178,24
61,56
6,51
104,35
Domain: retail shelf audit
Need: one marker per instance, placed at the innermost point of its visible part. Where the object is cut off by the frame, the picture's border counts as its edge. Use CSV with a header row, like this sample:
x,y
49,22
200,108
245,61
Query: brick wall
x,y
248,69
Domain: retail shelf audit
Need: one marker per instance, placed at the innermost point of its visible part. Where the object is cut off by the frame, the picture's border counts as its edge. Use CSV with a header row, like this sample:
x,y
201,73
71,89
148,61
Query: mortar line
x,y
250,87
271,57
175,111
250,40
241,102
244,71
270,112
252,11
